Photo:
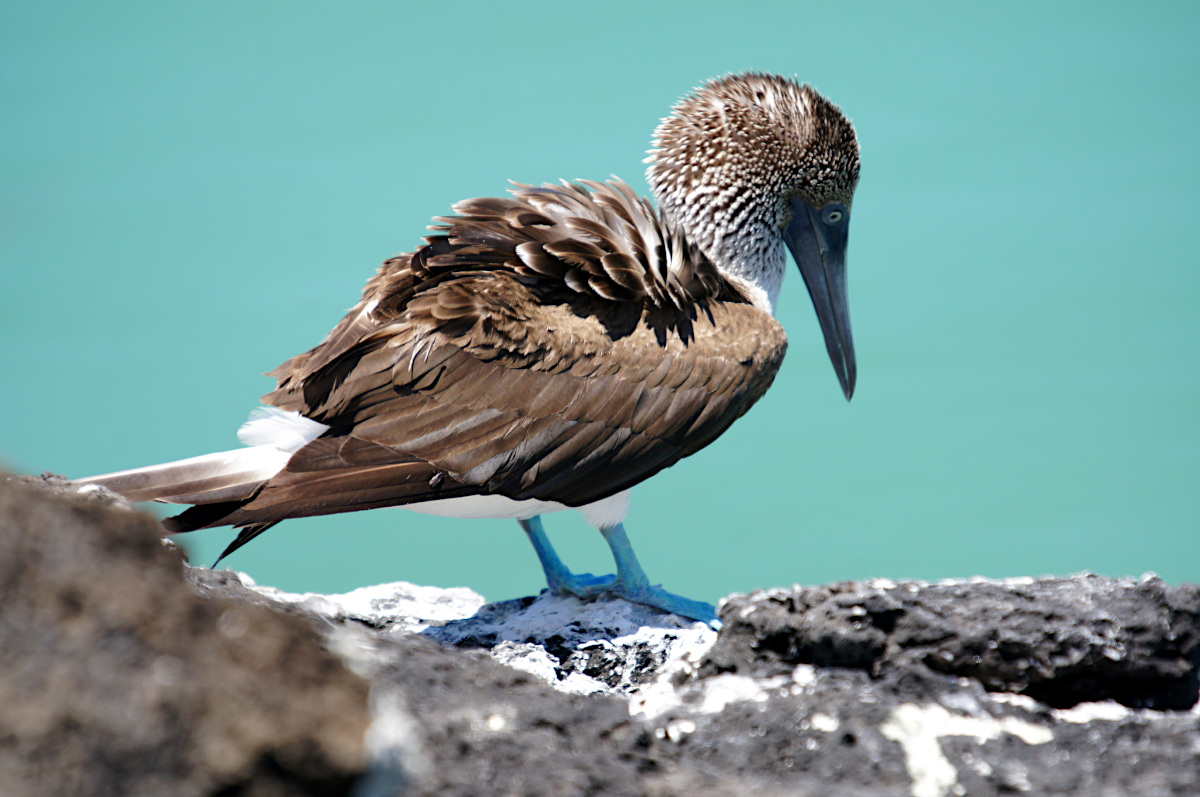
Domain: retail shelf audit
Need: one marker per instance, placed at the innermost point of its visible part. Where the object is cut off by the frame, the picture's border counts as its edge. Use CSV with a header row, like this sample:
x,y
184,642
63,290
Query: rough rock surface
x,y
885,688
115,678
1070,686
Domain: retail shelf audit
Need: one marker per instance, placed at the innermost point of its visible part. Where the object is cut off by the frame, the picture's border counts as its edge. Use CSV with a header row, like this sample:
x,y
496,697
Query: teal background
x,y
192,193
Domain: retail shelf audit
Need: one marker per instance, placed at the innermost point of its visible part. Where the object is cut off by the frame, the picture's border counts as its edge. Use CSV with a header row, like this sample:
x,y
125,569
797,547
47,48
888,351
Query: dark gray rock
x,y
115,678
1075,686
827,690
1062,641
895,688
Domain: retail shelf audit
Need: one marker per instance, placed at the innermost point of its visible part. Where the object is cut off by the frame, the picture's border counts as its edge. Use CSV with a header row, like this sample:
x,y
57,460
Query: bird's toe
x,y
659,598
582,585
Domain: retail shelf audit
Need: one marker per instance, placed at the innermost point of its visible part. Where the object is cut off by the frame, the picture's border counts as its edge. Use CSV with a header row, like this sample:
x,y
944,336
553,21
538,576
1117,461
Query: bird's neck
x,y
756,262
751,254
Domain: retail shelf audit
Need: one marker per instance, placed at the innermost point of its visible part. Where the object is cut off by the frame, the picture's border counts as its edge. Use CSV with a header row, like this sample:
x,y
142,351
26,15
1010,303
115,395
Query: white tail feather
x,y
186,481
284,429
272,436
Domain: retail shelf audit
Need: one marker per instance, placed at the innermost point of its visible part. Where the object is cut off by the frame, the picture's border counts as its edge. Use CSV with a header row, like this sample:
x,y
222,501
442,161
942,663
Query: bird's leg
x,y
632,584
629,583
560,579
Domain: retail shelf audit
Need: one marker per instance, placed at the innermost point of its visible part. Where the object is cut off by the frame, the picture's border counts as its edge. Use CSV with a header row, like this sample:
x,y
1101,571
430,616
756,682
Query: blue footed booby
x,y
554,348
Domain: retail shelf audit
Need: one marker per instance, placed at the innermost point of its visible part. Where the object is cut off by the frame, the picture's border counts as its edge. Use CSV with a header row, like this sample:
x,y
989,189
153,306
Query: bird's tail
x,y
224,476
271,437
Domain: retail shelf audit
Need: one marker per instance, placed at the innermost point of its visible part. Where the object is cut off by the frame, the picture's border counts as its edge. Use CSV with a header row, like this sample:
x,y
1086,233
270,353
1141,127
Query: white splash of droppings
x,y
527,657
981,767
1011,581
918,730
576,683
535,660
654,699
804,675
708,696
677,729
1082,713
825,723
1089,712
1017,701
405,607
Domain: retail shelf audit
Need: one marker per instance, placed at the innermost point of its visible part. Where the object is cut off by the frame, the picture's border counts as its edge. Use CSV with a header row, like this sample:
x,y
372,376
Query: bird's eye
x,y
833,214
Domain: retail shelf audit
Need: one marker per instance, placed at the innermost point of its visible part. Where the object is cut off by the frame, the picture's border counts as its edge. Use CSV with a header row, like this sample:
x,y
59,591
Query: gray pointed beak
x,y
817,239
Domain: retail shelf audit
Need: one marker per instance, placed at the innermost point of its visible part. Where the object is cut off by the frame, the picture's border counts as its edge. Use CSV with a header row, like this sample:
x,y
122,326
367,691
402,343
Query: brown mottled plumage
x,y
556,345
560,346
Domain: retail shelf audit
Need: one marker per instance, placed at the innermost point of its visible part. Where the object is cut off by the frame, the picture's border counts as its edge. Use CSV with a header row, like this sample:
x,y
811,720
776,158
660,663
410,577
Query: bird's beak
x,y
817,240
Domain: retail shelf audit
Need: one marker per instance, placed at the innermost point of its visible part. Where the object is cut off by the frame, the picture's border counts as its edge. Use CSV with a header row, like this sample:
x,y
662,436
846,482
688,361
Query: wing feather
x,y
537,347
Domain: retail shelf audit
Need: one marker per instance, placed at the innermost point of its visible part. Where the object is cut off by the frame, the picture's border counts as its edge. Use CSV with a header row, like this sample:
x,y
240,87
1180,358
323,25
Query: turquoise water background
x,y
193,193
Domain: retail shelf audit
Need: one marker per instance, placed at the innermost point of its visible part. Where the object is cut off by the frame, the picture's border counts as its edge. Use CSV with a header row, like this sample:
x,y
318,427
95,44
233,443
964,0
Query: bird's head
x,y
751,166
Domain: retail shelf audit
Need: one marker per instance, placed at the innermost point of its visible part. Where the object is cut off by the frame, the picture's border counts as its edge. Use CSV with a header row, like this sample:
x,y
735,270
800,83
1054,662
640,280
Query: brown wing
x,y
531,353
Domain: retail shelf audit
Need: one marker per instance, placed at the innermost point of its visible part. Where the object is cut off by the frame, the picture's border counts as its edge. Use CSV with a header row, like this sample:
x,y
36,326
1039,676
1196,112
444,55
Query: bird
x,y
553,348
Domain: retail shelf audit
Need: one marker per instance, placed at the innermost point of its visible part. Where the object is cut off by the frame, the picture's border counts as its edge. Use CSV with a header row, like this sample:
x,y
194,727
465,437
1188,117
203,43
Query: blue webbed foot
x,y
659,598
629,583
633,585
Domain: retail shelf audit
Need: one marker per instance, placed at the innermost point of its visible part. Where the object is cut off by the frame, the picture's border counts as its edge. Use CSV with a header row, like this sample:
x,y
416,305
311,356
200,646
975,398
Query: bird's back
x,y
563,344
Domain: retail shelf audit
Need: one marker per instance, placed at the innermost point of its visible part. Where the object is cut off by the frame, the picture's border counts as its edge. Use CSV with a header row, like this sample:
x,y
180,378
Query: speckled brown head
x,y
752,165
